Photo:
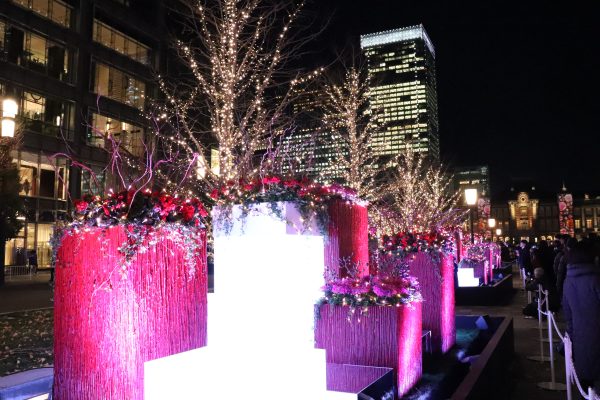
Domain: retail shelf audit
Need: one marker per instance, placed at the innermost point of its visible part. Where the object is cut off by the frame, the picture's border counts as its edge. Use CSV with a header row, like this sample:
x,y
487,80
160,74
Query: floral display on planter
x,y
311,197
138,207
391,286
404,243
143,212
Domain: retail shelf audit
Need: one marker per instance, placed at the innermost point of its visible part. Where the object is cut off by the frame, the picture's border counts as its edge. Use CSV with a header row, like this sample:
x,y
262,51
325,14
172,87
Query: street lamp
x,y
471,200
498,233
9,113
492,223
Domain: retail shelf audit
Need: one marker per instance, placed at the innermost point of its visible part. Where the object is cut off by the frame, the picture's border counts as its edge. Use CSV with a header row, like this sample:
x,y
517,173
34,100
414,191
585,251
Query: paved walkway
x,y
26,293
526,373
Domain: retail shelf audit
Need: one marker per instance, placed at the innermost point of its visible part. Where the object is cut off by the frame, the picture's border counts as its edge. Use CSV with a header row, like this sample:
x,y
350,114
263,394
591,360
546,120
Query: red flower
x,y
290,183
188,211
81,206
214,194
248,187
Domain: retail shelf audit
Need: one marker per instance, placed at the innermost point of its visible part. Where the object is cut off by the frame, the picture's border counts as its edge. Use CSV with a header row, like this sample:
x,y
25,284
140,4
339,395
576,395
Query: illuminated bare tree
x,y
349,119
422,195
237,53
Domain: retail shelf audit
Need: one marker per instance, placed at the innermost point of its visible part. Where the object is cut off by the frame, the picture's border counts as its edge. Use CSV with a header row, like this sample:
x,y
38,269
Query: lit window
x,y
127,136
55,10
117,85
121,43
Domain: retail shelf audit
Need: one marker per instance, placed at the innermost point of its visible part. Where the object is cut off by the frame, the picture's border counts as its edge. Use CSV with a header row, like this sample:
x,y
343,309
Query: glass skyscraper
x,y
401,64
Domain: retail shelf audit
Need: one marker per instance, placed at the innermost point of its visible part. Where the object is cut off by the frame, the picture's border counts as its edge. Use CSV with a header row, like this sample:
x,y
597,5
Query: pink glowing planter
x,y
348,236
383,337
110,319
436,279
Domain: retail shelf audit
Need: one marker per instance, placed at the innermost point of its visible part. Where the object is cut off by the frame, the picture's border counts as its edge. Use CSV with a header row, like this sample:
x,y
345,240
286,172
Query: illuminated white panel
x,y
268,275
396,35
466,277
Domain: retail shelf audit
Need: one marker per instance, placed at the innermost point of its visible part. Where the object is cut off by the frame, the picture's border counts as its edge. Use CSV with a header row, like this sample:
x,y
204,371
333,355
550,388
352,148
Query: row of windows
x,y
35,52
55,10
120,42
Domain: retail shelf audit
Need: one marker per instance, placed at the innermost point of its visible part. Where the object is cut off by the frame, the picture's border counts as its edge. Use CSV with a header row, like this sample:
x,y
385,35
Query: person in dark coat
x,y
540,278
524,258
561,271
581,305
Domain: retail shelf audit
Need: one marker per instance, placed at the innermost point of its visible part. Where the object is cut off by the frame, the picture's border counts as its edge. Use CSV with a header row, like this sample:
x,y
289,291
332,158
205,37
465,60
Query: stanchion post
x,y
550,342
551,385
541,357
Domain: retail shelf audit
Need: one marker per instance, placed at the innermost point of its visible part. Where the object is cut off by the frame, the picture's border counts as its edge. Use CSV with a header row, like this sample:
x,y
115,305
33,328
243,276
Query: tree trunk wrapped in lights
x,y
113,313
349,118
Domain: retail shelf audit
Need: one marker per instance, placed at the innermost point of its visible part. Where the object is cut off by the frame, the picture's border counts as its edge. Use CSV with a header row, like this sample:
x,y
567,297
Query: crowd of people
x,y
569,270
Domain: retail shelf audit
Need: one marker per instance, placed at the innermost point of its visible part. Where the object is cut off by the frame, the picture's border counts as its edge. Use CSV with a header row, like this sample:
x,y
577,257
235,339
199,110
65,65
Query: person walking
x,y
581,306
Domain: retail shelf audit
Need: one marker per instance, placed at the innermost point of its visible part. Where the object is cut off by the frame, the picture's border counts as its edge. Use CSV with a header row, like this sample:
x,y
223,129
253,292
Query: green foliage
x,y
11,205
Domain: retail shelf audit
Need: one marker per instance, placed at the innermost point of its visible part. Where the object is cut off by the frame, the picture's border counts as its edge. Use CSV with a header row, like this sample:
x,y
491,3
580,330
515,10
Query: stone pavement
x,y
526,374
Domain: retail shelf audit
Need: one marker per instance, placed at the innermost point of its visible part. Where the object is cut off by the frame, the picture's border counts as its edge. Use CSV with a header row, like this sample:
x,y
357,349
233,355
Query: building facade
x,y
80,71
401,65
477,177
534,217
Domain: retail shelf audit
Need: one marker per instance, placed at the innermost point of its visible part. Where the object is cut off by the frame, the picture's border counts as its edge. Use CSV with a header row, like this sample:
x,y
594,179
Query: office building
x,y
401,64
79,70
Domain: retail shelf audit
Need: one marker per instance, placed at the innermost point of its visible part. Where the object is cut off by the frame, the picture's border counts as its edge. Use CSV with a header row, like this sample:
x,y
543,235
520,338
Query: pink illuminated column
x,y
348,235
110,318
383,337
436,279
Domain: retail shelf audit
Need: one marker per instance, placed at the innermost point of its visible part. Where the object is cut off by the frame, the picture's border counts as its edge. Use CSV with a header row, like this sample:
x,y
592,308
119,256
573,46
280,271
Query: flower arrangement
x,y
143,212
145,208
311,197
392,286
404,243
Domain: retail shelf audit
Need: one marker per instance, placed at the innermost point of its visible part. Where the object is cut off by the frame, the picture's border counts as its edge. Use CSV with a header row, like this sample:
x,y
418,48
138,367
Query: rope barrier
x,y
570,372
552,385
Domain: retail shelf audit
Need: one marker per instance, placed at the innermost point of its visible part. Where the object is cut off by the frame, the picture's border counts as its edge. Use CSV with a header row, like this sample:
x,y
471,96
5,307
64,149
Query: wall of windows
x,y
121,43
35,52
47,116
55,10
117,85
128,136
44,185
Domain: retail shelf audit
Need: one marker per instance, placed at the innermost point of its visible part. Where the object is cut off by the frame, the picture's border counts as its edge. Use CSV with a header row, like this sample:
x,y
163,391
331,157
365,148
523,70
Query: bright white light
x,y
9,108
498,232
8,128
395,36
492,222
471,196
268,276
466,277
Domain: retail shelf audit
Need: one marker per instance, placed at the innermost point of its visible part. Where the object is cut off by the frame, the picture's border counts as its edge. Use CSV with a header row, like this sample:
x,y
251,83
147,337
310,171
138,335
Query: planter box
x,y
109,319
436,279
383,337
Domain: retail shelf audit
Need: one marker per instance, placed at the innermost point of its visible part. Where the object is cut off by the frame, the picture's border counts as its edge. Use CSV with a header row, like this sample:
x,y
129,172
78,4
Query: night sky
x,y
518,81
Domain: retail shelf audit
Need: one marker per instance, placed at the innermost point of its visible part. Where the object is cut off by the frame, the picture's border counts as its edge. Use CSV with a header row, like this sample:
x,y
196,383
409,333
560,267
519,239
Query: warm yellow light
x,y
498,232
492,223
8,127
471,197
9,108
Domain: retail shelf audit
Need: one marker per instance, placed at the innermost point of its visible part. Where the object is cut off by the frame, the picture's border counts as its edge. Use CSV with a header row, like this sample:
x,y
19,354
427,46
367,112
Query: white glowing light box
x,y
268,275
466,277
